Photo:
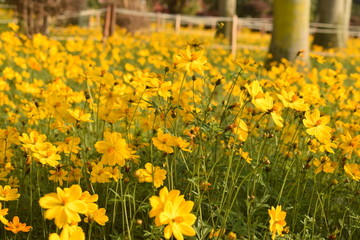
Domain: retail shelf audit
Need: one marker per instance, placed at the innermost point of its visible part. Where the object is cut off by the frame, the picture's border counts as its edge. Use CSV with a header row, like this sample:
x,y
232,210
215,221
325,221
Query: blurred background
x,y
329,22
43,9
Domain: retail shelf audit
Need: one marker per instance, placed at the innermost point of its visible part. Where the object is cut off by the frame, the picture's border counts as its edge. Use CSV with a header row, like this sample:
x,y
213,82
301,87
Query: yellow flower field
x,y
164,136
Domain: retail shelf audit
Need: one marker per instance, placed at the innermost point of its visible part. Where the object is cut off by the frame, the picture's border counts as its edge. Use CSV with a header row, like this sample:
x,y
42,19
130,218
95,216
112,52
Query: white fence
x,y
260,24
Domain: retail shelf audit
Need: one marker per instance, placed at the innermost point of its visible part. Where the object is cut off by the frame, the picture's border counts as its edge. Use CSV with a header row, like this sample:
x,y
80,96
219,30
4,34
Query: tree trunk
x,y
83,20
24,16
337,13
227,8
290,29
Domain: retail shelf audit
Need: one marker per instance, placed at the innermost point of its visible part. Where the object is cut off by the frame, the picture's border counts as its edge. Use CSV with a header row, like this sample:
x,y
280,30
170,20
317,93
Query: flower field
x,y
163,136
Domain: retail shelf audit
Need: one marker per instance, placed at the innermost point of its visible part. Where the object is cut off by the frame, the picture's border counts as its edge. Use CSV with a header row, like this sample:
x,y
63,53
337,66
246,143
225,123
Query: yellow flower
x,y
115,149
58,175
97,216
293,101
151,174
164,142
182,144
13,181
3,212
70,145
77,115
90,200
265,103
240,129
64,206
349,144
254,88
316,125
352,170
245,155
177,216
190,61
16,226
158,202
171,209
324,165
99,174
327,145
231,236
13,26
246,64
69,232
47,155
8,194
277,221
34,141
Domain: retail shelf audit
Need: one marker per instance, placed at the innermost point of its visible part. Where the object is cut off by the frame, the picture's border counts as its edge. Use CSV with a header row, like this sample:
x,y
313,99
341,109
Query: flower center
x,y
111,149
179,219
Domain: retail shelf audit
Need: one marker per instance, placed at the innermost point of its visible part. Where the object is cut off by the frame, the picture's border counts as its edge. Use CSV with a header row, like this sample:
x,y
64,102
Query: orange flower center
x,y
294,98
179,219
64,200
318,122
111,149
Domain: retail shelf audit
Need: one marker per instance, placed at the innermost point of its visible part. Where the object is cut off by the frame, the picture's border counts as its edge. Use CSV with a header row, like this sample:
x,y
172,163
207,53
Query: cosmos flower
x,y
114,149
164,141
151,174
171,209
64,206
277,221
190,60
316,125
16,226
8,194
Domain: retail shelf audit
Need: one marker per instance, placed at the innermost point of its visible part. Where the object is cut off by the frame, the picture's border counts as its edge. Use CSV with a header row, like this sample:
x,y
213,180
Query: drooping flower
x,y
64,206
114,149
277,221
151,174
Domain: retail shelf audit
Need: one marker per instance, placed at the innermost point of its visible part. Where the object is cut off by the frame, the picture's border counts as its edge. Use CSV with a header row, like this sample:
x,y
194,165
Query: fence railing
x,y
178,20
